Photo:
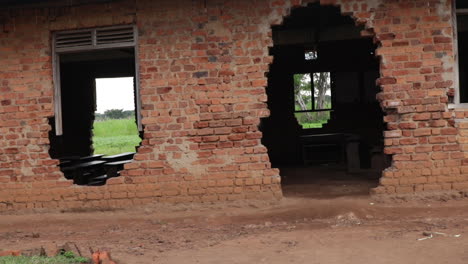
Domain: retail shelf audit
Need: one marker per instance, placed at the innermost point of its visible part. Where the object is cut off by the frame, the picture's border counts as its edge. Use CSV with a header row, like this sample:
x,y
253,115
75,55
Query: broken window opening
x,y
313,99
335,94
81,57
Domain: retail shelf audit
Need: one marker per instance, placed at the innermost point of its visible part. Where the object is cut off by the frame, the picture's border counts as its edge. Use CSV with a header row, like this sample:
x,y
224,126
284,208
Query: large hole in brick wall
x,y
326,125
90,151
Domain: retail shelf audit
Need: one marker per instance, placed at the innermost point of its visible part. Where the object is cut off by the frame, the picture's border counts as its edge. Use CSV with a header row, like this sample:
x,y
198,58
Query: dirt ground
x,y
347,229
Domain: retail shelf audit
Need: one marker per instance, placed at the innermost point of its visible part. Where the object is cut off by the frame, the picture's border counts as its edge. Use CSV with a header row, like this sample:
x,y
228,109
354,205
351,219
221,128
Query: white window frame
x,y
57,51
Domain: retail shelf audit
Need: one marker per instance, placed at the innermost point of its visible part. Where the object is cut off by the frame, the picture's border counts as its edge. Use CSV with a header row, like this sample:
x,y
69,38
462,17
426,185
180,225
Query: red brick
x,y
393,134
422,132
449,131
440,155
422,116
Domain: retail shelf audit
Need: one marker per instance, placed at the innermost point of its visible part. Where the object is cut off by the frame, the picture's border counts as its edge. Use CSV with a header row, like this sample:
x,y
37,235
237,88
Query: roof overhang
x,y
48,3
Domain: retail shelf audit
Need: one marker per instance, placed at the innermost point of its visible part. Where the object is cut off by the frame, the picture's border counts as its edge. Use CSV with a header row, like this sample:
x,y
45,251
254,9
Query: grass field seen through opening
x,y
114,136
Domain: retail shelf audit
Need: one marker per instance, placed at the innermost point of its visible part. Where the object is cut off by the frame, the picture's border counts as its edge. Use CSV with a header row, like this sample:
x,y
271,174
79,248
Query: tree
x,y
114,114
321,87
302,95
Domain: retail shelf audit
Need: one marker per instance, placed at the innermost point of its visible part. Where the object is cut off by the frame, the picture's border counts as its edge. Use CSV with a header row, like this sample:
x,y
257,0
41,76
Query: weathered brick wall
x,y
417,73
202,77
202,68
201,102
26,170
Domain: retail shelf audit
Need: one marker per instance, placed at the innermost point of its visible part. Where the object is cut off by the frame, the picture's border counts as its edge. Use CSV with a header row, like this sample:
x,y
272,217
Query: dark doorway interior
x,y
78,74
326,139
462,35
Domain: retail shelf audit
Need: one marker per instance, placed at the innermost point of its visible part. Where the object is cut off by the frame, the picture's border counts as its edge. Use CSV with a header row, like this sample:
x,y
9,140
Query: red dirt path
x,y
295,230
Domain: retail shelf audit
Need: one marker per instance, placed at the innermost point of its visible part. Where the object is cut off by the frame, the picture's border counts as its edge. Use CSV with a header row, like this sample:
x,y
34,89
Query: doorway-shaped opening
x,y
80,74
325,131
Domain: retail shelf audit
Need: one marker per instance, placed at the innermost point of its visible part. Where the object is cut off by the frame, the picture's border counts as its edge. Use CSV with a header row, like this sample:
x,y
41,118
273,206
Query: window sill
x,y
461,106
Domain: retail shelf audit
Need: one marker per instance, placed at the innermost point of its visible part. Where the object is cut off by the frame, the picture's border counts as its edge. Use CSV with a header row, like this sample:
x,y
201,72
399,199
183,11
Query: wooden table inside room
x,y
330,147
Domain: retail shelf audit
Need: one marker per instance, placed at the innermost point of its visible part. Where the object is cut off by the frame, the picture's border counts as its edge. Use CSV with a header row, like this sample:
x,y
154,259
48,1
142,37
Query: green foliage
x,y
313,119
302,91
310,97
312,125
115,136
71,255
65,258
115,114
298,107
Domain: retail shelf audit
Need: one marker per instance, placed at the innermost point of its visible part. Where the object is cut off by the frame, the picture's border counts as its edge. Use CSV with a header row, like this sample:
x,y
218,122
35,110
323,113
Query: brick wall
x,y
417,73
202,69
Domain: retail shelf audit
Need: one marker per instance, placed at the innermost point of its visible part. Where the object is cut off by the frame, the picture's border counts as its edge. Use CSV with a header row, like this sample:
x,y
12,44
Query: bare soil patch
x,y
294,230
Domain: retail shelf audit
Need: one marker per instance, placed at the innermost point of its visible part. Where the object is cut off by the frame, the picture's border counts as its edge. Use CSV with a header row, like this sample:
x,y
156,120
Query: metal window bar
x,y
312,90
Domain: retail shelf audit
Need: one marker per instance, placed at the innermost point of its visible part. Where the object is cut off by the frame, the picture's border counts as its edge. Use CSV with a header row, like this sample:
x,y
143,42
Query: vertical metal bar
x,y
332,90
137,81
57,90
312,88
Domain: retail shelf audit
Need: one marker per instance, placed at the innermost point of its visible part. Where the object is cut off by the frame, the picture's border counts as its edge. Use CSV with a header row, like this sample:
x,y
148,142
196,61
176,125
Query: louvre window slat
x,y
73,40
118,35
113,41
117,43
102,41
127,36
73,45
114,32
70,44
77,35
95,38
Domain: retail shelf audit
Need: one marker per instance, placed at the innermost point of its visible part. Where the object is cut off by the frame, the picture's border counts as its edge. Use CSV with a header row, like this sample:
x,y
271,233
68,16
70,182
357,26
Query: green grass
x,y
115,136
313,119
312,125
66,258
